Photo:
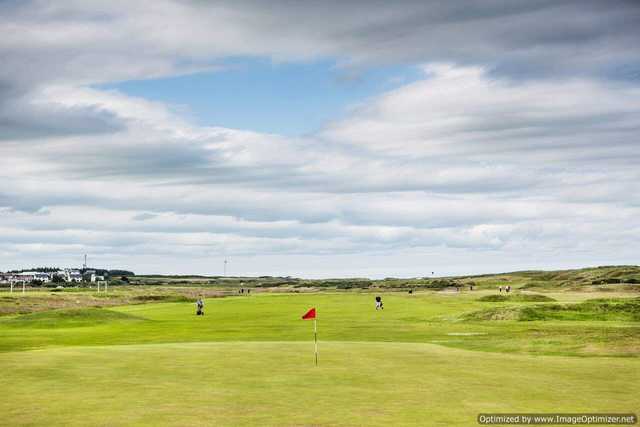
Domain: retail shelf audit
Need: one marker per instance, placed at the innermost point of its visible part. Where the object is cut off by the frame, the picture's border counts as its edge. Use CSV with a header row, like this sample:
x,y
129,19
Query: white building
x,y
29,276
73,276
43,277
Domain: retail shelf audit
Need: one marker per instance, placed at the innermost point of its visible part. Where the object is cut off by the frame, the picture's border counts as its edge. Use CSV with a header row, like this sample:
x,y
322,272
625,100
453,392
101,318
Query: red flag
x,y
311,314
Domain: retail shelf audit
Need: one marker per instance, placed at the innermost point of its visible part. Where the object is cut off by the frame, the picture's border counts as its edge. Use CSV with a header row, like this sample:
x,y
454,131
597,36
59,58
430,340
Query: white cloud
x,y
464,167
243,194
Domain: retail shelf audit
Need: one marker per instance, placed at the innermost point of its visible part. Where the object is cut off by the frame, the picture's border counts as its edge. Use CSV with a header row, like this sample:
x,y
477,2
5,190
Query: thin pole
x,y
315,338
23,287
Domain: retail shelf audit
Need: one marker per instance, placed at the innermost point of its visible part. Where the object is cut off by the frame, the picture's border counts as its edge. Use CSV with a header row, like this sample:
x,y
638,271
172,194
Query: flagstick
x,y
315,338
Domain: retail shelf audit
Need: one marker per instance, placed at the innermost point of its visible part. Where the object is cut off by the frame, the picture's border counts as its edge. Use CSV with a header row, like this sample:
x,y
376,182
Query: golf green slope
x,y
249,361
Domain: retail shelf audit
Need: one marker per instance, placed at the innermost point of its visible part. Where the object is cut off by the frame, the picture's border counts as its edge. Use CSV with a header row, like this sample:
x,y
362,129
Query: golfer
x,y
200,307
379,303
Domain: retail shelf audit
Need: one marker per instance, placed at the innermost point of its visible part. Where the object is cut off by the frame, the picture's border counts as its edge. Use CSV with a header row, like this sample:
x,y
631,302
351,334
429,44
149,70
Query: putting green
x,y
249,361
275,383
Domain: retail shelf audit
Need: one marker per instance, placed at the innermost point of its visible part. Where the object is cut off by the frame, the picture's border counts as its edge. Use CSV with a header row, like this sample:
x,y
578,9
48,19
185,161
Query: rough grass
x,y
591,310
620,277
70,318
516,298
36,301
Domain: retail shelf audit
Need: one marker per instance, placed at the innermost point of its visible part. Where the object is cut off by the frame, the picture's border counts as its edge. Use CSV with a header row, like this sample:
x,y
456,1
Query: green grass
x,y
249,361
276,384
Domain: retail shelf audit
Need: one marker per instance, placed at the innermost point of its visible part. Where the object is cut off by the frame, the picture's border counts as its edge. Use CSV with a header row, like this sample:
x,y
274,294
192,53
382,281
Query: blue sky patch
x,y
283,98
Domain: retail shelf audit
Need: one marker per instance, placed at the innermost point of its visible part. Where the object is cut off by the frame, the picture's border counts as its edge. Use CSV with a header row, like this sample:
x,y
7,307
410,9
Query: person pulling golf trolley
x,y
200,307
379,305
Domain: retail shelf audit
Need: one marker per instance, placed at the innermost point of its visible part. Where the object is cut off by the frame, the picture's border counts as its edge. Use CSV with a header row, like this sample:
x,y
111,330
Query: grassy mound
x,y
596,309
68,318
516,298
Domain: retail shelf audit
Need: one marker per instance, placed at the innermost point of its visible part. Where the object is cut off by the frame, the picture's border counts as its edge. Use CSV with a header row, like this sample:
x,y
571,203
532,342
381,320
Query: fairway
x,y
249,361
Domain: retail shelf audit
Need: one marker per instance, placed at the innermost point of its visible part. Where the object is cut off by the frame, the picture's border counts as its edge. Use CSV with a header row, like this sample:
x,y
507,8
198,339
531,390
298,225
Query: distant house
x,y
24,277
73,276
30,276
43,277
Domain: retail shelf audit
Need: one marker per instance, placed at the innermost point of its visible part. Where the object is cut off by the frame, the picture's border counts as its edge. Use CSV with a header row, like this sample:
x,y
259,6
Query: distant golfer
x,y
500,287
379,305
200,307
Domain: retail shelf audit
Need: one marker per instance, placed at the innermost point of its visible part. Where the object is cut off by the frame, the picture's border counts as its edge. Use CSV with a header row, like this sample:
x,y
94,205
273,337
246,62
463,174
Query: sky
x,y
320,139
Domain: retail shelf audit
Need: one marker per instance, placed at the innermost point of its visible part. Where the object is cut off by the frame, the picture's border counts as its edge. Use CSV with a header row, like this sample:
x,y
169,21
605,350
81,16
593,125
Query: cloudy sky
x,y
320,139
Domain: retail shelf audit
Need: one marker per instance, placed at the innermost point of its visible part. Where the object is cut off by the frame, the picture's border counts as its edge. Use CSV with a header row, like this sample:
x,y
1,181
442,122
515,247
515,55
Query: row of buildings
x,y
66,275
